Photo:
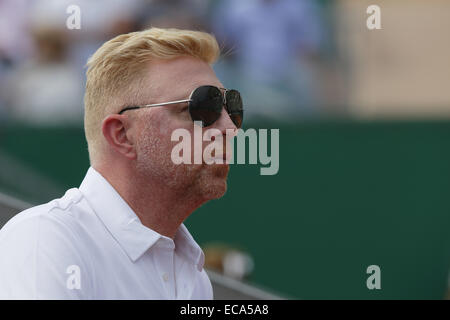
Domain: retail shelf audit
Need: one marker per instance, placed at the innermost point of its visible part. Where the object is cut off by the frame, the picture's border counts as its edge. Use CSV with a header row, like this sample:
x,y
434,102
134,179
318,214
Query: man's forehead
x,y
180,76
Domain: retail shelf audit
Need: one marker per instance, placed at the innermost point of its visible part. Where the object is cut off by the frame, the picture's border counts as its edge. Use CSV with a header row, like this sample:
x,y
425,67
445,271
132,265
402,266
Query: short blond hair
x,y
115,69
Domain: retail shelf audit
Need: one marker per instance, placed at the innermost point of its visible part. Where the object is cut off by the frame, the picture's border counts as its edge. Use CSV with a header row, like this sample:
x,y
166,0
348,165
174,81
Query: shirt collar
x,y
125,226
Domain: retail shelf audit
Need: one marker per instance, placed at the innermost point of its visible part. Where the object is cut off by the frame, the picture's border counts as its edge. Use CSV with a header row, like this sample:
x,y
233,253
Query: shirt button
x,y
165,277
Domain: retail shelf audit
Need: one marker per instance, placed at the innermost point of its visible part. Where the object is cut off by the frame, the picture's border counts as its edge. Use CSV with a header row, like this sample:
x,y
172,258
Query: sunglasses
x,y
205,104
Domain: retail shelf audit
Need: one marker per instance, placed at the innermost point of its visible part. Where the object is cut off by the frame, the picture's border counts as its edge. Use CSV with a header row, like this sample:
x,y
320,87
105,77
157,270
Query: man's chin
x,y
216,185
215,190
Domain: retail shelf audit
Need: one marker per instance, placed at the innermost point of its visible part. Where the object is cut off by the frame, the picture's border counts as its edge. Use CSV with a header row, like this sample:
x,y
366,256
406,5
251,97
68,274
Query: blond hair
x,y
115,70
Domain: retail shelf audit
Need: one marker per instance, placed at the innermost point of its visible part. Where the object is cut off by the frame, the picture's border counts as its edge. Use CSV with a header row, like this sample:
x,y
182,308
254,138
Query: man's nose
x,y
225,123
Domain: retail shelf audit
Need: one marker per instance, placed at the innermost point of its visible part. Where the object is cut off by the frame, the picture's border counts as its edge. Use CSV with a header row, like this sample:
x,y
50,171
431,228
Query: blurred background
x,y
364,119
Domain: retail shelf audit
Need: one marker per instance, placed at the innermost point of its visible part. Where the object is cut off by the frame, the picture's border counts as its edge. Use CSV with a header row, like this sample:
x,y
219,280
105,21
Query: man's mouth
x,y
220,159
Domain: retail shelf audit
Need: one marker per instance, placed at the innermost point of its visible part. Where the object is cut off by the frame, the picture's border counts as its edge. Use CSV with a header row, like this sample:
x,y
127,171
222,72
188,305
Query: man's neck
x,y
157,207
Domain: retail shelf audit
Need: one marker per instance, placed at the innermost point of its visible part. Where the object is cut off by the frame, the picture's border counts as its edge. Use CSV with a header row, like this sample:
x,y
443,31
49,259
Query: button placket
x,y
164,262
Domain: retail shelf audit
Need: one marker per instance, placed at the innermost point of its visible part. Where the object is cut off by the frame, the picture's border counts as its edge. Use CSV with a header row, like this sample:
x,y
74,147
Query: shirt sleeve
x,y
39,259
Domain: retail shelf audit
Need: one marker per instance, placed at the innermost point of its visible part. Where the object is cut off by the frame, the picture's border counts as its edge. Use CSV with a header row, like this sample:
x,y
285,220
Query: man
x,y
121,234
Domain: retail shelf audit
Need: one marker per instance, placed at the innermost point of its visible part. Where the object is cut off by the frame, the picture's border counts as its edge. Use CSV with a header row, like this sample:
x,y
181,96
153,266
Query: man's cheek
x,y
165,131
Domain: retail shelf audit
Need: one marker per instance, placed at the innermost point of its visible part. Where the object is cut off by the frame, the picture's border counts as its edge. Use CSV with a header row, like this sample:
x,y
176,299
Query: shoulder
x,y
54,216
38,246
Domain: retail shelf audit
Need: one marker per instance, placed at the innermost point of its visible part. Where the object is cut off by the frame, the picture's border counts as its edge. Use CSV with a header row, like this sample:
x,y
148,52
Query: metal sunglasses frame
x,y
224,95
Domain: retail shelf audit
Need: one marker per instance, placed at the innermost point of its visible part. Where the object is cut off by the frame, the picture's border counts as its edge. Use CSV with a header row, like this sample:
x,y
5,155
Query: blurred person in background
x,y
270,44
100,20
15,42
181,14
46,89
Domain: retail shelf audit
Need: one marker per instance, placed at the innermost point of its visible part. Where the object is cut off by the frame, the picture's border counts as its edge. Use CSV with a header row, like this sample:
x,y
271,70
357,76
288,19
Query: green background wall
x,y
348,195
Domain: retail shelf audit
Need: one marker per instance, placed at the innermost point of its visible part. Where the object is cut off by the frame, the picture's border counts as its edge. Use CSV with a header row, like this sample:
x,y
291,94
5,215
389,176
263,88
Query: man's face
x,y
172,80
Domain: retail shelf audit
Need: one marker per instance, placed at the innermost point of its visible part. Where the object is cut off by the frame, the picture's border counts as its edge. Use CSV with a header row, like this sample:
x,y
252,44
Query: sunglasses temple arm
x,y
165,103
153,105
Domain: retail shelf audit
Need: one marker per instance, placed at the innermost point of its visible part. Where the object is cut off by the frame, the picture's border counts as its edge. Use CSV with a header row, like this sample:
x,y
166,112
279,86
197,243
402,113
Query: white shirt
x,y
91,245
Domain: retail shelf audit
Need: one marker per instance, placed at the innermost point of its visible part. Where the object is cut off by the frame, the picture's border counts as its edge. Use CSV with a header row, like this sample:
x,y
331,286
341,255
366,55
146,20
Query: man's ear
x,y
114,128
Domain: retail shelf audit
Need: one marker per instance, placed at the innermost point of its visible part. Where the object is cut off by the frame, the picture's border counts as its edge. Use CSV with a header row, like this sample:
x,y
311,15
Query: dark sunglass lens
x,y
206,105
235,107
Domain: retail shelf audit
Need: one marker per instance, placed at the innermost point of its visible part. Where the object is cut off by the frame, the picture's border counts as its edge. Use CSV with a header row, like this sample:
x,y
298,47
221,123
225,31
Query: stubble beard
x,y
193,182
